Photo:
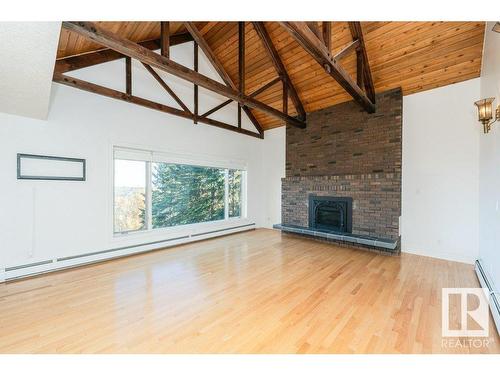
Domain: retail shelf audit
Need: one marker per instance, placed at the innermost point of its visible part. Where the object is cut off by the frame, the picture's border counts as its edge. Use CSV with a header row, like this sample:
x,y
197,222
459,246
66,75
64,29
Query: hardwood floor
x,y
253,292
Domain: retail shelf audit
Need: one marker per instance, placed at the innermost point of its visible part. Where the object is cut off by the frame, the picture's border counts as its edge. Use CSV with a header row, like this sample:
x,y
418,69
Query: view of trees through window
x,y
179,194
186,194
130,195
234,198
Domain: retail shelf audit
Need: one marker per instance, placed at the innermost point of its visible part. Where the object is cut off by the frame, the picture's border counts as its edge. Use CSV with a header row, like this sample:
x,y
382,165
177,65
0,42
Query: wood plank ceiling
x,y
415,56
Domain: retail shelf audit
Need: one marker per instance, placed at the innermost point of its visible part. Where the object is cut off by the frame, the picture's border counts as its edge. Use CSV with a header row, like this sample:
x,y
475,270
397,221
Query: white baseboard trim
x,y
51,265
487,282
442,255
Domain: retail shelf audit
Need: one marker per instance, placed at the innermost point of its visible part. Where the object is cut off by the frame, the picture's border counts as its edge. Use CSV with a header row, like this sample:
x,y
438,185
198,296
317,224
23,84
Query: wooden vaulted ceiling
x,y
415,56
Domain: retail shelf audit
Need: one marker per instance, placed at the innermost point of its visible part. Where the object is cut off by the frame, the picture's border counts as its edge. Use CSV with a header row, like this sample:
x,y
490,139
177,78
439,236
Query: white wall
x,y
27,56
489,175
43,220
274,154
440,187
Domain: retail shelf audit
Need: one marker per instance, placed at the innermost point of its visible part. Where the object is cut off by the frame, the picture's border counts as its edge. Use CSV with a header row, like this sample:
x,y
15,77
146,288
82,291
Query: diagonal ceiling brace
x,y
357,34
198,37
67,64
133,50
279,67
115,94
166,87
316,48
260,90
346,50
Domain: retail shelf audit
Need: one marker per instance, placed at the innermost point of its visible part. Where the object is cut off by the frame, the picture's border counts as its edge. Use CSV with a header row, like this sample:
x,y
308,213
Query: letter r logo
x,y
465,312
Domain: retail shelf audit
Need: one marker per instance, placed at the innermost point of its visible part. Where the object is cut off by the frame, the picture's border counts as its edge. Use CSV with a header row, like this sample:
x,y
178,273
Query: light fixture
x,y
485,113
496,27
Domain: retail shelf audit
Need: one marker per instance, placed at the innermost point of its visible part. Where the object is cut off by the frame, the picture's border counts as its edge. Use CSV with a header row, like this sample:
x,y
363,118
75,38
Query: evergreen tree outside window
x,y
186,194
151,195
234,195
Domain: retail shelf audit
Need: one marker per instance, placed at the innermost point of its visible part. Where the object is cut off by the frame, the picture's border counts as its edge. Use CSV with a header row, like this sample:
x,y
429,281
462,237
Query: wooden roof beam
x,y
165,38
195,86
327,34
202,43
146,56
357,34
68,64
313,26
115,94
279,67
241,64
260,90
315,47
166,87
128,75
346,50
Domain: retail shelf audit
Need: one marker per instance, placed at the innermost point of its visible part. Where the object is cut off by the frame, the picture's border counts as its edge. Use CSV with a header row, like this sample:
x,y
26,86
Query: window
x,y
186,194
151,192
234,192
130,195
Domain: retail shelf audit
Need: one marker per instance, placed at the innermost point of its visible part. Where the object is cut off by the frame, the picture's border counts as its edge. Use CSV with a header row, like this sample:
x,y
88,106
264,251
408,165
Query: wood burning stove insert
x,y
330,213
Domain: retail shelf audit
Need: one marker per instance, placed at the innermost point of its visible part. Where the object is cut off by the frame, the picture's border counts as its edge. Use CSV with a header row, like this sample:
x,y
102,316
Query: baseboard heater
x,y
486,282
57,264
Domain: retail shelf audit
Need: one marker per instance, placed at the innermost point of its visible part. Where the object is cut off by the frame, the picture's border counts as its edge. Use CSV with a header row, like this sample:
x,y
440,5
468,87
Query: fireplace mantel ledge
x,y
348,237
363,176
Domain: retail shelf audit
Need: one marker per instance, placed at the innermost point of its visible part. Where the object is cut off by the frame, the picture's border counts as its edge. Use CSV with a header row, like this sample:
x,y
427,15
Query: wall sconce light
x,y
485,113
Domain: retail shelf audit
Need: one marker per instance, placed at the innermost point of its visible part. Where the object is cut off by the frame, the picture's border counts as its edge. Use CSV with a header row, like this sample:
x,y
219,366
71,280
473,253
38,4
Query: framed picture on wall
x,y
43,167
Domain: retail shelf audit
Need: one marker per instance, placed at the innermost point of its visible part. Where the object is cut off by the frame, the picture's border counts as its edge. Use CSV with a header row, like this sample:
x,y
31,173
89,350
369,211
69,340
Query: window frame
x,y
208,161
146,202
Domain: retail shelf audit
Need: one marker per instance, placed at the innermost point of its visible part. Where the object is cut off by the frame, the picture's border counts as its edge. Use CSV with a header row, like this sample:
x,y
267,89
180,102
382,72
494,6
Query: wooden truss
x,y
316,42
318,45
119,47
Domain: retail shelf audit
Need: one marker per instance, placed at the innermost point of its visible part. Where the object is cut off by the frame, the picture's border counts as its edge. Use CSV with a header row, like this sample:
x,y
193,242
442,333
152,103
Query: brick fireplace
x,y
349,154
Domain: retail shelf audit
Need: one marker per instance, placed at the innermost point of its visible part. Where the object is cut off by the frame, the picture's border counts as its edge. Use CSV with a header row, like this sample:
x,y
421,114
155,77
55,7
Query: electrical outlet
x,y
496,208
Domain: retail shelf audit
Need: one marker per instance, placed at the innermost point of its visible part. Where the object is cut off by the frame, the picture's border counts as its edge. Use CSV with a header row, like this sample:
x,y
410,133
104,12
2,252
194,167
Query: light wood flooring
x,y
253,292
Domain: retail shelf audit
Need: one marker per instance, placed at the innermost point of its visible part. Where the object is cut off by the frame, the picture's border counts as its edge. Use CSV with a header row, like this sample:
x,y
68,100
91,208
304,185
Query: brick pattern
x,y
376,200
347,152
344,139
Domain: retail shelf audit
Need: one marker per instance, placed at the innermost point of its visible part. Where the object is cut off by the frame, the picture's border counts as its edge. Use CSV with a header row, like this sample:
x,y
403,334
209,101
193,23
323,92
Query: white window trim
x,y
226,194
201,160
150,156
